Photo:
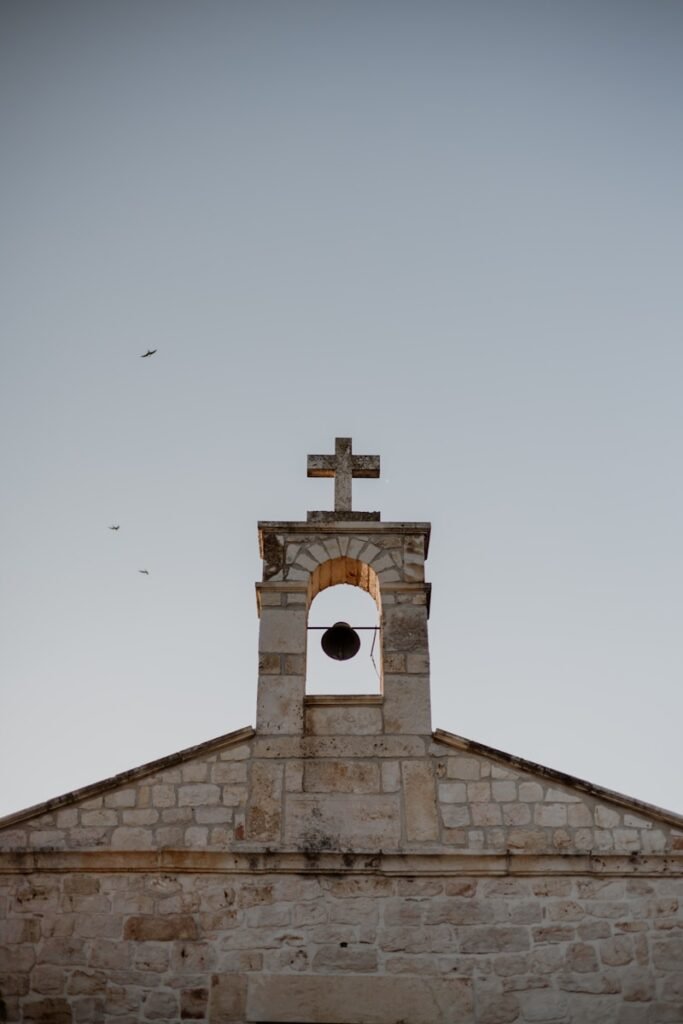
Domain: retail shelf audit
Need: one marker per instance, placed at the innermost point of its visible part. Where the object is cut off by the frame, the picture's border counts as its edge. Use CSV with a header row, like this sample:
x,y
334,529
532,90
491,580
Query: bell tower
x,y
332,547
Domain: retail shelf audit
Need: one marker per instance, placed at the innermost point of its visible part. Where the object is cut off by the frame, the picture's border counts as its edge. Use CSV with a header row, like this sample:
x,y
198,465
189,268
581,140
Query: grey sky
x,y
450,230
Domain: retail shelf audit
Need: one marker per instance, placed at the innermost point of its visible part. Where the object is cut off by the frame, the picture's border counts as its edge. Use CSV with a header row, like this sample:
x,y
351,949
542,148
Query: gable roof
x,y
640,807
132,775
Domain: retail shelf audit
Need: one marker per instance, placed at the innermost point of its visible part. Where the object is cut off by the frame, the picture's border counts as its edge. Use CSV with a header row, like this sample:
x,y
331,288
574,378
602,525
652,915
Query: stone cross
x,y
343,466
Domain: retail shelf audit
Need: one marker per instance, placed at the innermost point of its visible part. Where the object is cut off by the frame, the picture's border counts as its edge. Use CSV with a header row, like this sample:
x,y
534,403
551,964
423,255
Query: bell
x,y
340,642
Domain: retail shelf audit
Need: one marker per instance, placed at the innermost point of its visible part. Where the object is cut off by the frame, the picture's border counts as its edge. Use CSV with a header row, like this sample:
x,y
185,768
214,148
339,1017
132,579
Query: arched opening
x,y
344,589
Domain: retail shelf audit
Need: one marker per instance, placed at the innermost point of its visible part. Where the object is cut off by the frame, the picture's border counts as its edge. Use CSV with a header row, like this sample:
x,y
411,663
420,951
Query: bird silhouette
x,y
145,572
114,527
149,352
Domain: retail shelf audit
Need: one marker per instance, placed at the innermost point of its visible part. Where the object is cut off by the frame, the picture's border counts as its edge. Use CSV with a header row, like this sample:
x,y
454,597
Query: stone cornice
x,y
260,861
449,739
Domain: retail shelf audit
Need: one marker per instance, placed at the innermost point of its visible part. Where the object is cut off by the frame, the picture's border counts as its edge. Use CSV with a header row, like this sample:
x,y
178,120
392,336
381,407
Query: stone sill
x,y
342,700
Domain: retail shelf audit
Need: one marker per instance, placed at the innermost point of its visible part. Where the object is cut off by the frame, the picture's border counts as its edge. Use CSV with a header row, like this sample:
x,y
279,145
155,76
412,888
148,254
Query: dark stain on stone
x,y
273,556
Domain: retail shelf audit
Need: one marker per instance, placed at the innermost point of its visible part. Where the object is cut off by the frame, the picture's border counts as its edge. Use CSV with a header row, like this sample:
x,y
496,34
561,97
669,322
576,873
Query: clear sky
x,y
452,231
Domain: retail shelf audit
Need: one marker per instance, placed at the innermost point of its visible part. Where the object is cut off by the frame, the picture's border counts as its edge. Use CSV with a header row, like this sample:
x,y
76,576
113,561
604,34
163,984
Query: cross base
x,y
342,517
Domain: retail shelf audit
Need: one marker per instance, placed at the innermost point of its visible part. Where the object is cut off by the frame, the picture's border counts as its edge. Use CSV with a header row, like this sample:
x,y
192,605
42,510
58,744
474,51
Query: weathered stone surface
x,y
360,999
407,707
47,1011
227,1000
343,720
341,776
342,821
264,811
419,795
282,631
280,709
160,929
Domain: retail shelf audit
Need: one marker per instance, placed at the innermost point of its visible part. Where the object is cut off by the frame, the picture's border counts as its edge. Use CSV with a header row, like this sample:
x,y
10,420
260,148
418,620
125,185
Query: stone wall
x,y
347,947
342,864
357,792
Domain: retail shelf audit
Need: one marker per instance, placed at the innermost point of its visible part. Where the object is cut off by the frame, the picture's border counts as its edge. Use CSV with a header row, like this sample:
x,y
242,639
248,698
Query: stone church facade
x,y
342,863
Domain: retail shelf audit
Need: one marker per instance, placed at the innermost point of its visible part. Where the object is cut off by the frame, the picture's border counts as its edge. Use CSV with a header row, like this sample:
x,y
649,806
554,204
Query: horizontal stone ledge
x,y
259,860
321,516
342,700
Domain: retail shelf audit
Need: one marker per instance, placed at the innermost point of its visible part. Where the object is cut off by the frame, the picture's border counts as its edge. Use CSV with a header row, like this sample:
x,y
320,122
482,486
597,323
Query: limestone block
x,y
196,837
547,1006
293,664
47,838
147,816
405,629
359,999
463,768
391,776
516,814
167,928
13,839
198,794
407,706
282,631
394,662
341,776
530,792
341,821
579,816
47,1011
343,720
497,1008
265,801
213,815
495,939
294,776
194,1003
504,791
527,840
121,798
419,798
486,814
417,664
227,998
269,664
606,817
626,839
479,792
561,796
280,705
127,838
550,814
163,796
455,815
452,792
230,772
238,753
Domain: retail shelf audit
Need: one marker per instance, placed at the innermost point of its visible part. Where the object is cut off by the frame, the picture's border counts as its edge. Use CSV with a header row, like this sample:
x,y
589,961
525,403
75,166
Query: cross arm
x,y
321,465
365,466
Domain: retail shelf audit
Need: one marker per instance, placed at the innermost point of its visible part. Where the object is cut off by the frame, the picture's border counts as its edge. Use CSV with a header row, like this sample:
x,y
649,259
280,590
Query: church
x,y
343,862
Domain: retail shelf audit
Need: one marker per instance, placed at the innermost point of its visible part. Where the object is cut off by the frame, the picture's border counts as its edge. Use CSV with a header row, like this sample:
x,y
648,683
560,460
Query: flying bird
x,y
145,572
149,352
114,527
